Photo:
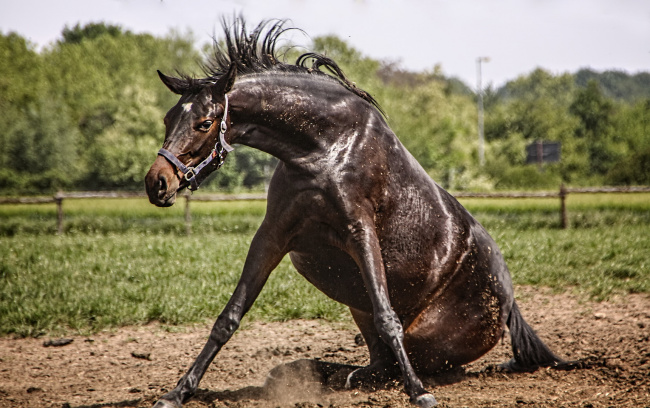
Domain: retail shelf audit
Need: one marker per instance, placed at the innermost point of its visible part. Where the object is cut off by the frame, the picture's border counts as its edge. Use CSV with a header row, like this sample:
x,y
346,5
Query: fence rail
x,y
58,198
561,194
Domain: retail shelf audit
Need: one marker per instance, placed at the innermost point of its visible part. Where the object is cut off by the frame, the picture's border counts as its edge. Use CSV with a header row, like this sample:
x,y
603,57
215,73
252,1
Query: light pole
x,y
479,90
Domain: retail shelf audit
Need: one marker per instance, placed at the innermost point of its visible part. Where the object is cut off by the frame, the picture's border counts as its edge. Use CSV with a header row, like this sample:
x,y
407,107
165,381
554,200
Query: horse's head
x,y
195,144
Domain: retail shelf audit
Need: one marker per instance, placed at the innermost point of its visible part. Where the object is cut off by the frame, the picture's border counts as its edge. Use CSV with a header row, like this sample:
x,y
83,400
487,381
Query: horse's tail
x,y
530,353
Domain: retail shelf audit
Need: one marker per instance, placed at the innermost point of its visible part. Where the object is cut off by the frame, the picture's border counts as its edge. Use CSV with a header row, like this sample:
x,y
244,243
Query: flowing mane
x,y
256,52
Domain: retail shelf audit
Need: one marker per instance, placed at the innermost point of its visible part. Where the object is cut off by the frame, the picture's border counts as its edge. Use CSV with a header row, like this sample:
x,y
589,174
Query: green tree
x,y
90,31
42,150
108,80
529,109
87,112
123,151
631,169
595,113
617,85
20,85
39,149
632,124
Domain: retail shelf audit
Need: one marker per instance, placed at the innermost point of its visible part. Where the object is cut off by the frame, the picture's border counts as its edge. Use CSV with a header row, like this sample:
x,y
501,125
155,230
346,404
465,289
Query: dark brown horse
x,y
359,217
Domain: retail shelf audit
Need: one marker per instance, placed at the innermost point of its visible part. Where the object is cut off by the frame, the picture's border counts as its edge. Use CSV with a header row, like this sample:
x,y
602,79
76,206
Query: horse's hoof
x,y
425,401
348,381
166,404
371,376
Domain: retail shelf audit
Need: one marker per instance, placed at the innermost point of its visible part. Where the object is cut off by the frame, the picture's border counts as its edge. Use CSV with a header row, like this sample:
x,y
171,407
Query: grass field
x,y
127,262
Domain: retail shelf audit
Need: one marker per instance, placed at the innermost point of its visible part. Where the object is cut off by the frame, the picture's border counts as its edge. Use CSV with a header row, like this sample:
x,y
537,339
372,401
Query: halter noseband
x,y
219,152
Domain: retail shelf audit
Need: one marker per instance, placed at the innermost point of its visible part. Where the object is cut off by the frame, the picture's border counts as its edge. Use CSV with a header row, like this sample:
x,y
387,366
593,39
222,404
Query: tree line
x,y
85,113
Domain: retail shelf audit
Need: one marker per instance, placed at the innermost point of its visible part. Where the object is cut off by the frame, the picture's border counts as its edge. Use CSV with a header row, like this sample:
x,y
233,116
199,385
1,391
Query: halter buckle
x,y
189,175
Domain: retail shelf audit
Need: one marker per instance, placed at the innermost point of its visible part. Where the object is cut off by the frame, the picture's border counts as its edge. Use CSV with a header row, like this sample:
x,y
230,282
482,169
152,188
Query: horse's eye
x,y
205,126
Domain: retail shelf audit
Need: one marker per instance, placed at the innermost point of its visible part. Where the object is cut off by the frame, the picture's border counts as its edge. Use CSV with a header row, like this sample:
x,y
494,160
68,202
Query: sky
x,y
516,35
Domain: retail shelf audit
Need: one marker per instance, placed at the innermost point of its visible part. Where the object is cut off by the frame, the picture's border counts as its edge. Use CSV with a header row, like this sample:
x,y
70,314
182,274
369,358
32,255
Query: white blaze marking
x,y
187,106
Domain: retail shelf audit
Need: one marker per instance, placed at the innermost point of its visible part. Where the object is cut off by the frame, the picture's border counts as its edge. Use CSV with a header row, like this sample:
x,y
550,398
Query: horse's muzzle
x,y
161,183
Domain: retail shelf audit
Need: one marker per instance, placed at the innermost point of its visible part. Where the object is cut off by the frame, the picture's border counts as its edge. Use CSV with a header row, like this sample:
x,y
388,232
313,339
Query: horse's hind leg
x,y
383,365
450,333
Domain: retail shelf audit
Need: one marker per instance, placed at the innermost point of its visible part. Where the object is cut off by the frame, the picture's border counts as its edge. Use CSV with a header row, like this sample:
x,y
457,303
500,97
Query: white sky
x,y
517,35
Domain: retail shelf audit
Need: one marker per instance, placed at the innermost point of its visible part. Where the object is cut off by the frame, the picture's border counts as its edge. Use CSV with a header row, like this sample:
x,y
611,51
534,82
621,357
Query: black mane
x,y
256,52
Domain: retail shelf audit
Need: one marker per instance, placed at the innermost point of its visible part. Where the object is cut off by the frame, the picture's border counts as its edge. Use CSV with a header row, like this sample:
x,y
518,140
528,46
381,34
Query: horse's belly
x,y
335,274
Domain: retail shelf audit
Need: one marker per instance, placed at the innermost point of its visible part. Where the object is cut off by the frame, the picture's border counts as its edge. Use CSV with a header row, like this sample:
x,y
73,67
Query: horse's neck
x,y
292,118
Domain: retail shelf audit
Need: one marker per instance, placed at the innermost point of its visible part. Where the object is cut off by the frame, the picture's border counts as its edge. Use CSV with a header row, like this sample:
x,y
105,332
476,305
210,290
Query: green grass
x,y
126,262
89,282
598,261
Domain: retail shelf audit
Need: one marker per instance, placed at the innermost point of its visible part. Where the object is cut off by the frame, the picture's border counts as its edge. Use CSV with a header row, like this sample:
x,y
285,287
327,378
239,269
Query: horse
x,y
358,216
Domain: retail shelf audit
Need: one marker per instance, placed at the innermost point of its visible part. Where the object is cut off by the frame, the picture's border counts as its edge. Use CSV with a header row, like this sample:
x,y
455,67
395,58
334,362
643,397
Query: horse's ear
x,y
176,85
225,83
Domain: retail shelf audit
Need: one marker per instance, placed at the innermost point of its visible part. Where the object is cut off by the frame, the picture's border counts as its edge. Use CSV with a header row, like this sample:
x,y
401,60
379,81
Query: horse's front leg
x,y
263,256
363,246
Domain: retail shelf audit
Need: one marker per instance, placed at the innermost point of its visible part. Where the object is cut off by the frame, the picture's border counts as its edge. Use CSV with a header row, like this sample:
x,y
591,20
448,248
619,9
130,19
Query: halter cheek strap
x,y
224,127
219,152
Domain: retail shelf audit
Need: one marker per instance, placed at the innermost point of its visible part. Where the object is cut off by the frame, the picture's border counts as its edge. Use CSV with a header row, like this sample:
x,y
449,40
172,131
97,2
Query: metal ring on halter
x,y
190,174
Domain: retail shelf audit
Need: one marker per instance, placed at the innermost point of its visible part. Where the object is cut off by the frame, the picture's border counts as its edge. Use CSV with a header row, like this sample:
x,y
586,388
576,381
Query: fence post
x,y
58,199
563,216
188,215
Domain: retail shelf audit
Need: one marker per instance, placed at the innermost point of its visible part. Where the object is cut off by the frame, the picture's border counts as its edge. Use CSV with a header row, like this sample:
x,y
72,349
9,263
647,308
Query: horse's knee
x,y
223,329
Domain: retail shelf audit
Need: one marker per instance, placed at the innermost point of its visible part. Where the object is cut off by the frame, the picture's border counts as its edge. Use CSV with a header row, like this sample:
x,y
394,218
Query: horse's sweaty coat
x,y
359,217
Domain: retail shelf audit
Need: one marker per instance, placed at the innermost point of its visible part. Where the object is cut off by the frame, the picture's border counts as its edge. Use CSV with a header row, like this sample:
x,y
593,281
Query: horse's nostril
x,y
162,186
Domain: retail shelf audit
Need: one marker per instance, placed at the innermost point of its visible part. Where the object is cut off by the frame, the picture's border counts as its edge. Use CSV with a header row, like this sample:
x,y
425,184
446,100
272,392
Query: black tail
x,y
530,353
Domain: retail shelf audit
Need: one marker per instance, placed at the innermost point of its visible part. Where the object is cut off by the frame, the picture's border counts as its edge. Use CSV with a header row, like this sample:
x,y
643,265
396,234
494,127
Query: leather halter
x,y
219,152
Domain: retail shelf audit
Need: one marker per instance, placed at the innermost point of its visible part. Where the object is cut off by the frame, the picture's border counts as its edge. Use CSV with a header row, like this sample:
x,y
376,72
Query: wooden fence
x,y
561,194
58,198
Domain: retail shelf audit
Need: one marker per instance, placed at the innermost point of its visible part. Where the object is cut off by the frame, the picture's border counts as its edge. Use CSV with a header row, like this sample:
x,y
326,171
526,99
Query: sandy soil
x,y
132,366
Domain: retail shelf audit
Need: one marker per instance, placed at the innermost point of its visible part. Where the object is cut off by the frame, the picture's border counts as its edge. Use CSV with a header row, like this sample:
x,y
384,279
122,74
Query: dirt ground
x,y
131,367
